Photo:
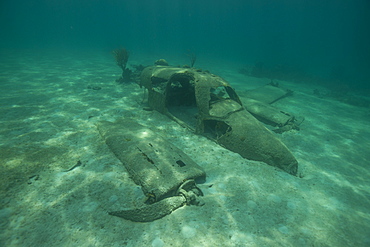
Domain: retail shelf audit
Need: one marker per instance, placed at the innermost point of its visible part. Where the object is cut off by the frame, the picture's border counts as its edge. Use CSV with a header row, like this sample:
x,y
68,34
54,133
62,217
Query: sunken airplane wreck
x,y
207,105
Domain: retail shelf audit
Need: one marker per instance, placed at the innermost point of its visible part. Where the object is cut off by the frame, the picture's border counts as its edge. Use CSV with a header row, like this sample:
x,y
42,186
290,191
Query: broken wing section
x,y
153,163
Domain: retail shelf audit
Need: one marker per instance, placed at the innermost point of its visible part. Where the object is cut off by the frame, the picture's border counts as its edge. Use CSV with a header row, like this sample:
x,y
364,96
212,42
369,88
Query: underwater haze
x,y
314,36
266,102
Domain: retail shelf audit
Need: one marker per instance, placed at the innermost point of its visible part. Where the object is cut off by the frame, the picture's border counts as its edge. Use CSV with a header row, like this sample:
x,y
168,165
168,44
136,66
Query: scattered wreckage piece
x,y
207,104
258,102
166,174
268,94
270,115
187,194
151,212
267,113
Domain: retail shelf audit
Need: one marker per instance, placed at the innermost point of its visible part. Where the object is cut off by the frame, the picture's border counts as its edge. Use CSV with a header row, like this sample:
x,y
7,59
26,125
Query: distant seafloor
x,y
50,102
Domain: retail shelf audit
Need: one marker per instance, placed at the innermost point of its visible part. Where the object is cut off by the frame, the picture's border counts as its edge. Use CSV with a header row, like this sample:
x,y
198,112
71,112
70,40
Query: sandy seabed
x,y
49,107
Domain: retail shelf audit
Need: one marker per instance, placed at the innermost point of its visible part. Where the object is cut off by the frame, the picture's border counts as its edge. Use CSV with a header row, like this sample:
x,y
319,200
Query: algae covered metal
x,y
258,102
208,105
166,175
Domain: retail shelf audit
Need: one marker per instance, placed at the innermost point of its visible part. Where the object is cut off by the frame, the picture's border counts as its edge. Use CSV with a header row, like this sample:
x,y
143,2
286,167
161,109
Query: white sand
x,y
47,126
